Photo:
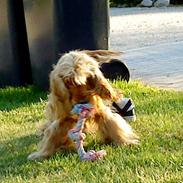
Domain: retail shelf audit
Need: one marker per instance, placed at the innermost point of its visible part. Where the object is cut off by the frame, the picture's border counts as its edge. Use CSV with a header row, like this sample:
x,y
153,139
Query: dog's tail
x,y
102,55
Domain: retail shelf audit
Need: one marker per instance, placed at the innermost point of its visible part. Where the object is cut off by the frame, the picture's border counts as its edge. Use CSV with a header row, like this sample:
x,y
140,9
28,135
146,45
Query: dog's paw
x,y
34,156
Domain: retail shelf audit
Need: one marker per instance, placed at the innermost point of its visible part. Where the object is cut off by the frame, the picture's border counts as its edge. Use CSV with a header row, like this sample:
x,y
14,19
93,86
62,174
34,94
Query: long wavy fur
x,y
77,78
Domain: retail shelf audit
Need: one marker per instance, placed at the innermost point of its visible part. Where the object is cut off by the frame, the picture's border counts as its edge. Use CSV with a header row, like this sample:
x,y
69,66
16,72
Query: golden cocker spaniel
x,y
76,78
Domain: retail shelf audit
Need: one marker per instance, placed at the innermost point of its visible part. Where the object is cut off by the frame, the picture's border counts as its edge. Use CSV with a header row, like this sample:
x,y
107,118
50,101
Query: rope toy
x,y
76,134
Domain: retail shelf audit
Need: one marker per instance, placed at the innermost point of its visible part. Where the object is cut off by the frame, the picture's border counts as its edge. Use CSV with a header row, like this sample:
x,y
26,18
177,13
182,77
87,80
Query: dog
x,y
77,78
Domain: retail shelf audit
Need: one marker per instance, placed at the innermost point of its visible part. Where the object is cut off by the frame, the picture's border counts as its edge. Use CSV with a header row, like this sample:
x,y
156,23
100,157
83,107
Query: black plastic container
x,y
56,27
15,69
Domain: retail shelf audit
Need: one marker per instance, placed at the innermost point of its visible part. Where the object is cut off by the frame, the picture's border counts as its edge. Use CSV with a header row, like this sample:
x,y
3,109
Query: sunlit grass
x,y
158,158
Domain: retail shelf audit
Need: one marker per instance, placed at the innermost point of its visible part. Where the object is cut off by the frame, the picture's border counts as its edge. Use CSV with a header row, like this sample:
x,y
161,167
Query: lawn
x,y
158,158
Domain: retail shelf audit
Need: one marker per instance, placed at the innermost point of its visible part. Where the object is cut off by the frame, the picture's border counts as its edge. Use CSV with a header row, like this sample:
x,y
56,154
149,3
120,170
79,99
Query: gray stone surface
x,y
146,3
161,3
159,65
152,39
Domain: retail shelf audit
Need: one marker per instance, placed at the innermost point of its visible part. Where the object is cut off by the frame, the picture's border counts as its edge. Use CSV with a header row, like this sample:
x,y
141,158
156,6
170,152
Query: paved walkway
x,y
160,65
152,39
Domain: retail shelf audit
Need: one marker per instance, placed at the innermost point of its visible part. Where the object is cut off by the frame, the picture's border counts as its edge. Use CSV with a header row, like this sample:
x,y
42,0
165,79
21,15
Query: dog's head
x,y
78,73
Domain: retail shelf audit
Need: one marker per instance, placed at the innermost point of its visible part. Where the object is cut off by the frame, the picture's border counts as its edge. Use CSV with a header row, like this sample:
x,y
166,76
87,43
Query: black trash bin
x,y
55,27
81,24
39,23
15,69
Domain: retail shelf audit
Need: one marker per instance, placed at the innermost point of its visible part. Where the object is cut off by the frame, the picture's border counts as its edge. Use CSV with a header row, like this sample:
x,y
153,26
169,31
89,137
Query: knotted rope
x,y
76,134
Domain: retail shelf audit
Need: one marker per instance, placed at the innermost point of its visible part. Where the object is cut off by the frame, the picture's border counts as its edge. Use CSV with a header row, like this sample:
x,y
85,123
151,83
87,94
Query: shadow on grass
x,y
13,159
12,98
14,151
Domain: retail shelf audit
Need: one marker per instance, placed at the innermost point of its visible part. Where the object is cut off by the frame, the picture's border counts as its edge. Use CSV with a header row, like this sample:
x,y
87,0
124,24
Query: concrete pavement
x,y
160,65
152,39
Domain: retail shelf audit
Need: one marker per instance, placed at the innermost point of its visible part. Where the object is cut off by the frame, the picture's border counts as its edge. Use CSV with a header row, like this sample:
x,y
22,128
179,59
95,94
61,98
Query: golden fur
x,y
77,77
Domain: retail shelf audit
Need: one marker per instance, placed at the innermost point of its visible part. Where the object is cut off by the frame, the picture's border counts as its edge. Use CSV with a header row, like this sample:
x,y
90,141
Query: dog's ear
x,y
72,81
102,55
57,86
59,104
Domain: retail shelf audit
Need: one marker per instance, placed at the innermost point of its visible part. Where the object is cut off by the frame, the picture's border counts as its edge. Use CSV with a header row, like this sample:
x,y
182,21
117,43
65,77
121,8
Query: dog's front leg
x,y
55,136
47,145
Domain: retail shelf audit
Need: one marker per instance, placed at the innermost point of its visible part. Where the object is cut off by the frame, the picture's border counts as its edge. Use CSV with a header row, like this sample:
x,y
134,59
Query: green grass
x,y
158,158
